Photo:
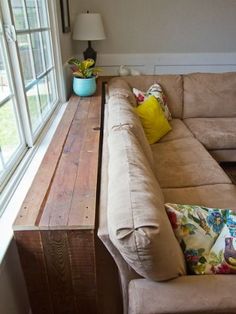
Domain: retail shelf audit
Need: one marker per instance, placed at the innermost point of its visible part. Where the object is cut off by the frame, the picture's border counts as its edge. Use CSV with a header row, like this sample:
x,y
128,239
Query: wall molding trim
x,y
168,63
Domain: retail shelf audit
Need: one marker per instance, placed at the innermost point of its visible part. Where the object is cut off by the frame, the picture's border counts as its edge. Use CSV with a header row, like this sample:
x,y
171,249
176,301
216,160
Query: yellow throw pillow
x,y
153,119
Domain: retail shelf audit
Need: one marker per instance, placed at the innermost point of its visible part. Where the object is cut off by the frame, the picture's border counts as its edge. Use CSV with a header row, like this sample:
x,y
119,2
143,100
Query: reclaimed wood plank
x,y
73,191
83,270
95,108
82,112
29,244
57,206
84,200
55,244
32,207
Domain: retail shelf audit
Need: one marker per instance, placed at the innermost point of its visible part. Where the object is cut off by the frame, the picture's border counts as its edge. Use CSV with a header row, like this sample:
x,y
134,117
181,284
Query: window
x,y
28,85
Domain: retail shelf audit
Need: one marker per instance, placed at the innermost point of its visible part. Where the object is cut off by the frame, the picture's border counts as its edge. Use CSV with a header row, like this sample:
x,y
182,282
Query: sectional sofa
x,y
137,179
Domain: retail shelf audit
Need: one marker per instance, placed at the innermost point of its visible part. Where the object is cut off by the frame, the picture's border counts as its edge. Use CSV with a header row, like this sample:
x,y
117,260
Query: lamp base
x,y
90,53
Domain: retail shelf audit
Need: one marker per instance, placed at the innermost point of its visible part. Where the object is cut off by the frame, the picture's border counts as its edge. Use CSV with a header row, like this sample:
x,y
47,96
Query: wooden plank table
x,y
55,228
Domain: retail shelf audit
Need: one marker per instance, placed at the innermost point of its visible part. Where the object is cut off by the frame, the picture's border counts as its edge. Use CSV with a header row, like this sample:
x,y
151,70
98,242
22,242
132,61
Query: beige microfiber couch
x,y
137,179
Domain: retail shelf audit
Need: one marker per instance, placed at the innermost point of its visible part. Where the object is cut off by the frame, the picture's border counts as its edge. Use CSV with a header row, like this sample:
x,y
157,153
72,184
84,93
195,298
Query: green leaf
x,y
74,61
194,219
205,208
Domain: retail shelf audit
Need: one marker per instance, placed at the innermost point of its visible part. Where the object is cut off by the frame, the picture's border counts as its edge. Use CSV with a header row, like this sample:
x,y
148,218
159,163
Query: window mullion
x,y
5,100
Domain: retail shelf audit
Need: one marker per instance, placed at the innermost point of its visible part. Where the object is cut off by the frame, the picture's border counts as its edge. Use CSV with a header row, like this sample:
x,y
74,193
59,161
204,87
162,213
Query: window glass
x,y
37,52
4,84
9,134
43,15
44,95
47,49
32,13
20,18
26,58
52,87
34,108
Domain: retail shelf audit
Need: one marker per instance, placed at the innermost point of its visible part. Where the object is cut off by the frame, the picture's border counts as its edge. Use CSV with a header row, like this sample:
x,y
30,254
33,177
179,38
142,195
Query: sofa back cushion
x,y
172,86
121,115
119,87
209,95
137,222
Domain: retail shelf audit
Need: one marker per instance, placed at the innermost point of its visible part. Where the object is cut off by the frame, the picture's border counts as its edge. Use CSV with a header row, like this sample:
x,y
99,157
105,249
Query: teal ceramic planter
x,y
84,86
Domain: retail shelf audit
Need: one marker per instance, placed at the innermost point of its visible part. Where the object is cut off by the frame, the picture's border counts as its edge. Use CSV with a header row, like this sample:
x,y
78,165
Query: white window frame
x,y
14,180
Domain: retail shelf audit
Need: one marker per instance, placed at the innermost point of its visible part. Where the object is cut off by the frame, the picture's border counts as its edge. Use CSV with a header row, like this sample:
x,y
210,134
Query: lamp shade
x,y
88,26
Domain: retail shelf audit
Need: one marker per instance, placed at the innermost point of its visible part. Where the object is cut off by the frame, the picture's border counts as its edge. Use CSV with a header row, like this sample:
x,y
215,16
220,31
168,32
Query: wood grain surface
x,y
33,205
55,229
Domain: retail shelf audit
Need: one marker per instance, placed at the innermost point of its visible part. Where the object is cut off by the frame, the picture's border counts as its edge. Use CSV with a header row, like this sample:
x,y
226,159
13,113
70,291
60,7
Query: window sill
x,y
9,215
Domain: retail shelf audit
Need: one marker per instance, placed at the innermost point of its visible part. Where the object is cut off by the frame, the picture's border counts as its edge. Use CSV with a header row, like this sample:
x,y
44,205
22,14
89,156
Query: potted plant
x,y
84,76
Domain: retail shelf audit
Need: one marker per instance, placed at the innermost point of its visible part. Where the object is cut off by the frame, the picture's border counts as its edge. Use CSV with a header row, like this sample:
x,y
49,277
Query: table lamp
x,y
89,26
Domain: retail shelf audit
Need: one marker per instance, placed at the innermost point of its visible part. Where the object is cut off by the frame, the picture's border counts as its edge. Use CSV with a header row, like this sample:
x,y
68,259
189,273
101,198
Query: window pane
x,y
47,49
43,16
52,87
9,134
32,13
4,85
19,14
26,57
34,108
37,52
44,95
1,164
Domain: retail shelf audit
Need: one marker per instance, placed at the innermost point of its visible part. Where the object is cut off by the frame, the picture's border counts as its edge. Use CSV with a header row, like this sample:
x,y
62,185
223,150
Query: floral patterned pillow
x,y
207,237
156,91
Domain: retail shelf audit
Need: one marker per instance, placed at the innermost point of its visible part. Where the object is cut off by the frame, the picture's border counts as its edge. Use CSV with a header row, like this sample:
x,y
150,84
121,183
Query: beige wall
x,y
161,26
65,38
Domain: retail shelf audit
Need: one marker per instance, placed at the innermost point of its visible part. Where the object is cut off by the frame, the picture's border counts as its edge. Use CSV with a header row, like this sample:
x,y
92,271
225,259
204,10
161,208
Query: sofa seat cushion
x,y
214,195
187,294
185,163
137,221
214,133
179,130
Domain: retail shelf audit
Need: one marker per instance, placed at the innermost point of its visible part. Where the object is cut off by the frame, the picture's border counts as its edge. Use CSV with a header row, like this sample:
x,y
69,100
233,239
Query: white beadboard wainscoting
x,y
168,63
